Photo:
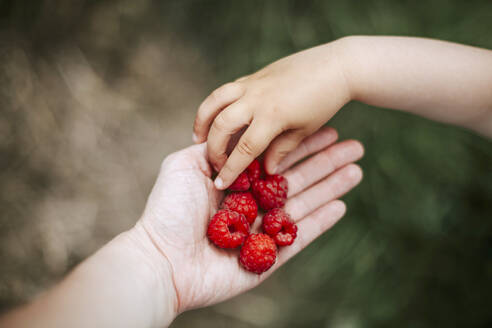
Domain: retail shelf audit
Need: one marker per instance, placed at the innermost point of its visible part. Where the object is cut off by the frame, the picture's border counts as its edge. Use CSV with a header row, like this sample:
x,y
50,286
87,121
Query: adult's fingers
x,y
312,226
226,124
212,105
312,144
325,191
280,147
323,164
251,144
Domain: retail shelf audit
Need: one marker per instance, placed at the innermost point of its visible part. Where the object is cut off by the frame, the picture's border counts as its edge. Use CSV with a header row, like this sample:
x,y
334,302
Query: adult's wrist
x,y
124,284
154,270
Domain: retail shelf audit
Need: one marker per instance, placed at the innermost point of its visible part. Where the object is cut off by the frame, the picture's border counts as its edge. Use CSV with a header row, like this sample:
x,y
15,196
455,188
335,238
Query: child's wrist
x,y
344,53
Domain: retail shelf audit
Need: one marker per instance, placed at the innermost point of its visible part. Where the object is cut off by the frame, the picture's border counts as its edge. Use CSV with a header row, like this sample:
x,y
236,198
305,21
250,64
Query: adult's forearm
x,y
440,80
125,284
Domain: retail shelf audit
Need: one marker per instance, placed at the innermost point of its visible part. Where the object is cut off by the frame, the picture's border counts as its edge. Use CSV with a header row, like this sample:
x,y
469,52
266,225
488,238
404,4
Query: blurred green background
x,y
94,94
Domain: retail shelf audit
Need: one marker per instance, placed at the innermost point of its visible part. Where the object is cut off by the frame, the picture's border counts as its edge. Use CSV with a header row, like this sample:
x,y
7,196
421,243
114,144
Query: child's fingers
x,y
312,144
322,164
311,227
211,106
280,147
227,123
251,144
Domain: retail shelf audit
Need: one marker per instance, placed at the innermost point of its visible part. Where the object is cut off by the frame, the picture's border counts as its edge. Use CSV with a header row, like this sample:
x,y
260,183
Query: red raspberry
x,y
254,171
278,225
241,183
243,203
271,192
228,229
258,253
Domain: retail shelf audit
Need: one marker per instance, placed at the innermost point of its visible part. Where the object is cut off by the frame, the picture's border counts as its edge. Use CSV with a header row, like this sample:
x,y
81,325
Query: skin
x,y
291,98
165,265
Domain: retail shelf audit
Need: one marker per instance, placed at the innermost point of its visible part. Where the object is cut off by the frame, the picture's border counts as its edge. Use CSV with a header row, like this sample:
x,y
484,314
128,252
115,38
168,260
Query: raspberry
x,y
271,192
228,229
278,225
254,171
243,203
241,183
247,177
258,253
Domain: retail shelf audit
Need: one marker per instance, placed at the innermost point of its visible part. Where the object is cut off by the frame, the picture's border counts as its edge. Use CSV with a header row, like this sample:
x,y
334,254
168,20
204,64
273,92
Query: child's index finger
x,y
251,144
227,123
212,105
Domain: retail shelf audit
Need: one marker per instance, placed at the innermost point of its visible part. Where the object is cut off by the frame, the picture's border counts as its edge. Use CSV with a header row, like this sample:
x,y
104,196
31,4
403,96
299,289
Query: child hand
x,y
282,104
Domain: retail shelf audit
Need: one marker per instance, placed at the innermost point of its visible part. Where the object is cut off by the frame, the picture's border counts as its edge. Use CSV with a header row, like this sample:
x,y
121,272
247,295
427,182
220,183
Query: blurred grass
x,y
415,248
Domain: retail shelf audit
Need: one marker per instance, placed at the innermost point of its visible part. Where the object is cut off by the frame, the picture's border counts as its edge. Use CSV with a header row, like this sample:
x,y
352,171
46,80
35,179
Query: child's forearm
x,y
440,80
291,98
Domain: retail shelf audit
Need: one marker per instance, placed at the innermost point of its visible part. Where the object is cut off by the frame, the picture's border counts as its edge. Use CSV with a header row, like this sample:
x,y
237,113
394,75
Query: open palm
x,y
184,198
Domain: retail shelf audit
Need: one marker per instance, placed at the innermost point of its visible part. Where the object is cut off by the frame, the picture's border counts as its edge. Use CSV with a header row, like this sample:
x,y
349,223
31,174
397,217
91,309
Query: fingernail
x,y
195,138
275,170
219,184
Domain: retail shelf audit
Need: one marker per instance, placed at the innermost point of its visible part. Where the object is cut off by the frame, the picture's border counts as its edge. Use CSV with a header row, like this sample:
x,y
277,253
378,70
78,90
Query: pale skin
x,y
293,97
166,265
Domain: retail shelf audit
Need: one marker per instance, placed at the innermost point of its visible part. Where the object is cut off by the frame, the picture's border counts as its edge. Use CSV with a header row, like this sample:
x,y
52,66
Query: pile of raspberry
x,y
231,226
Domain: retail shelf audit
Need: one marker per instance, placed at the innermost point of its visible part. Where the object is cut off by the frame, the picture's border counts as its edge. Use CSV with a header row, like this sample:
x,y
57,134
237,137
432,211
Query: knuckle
x,y
299,178
216,94
217,155
304,149
221,123
227,116
231,87
226,90
304,206
281,153
247,148
217,161
329,159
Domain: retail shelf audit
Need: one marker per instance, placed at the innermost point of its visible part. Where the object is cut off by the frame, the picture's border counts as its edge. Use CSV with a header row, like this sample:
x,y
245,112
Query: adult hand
x,y
166,265
184,198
